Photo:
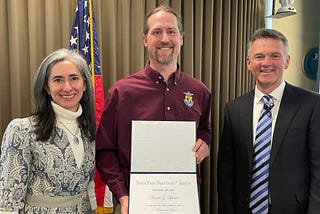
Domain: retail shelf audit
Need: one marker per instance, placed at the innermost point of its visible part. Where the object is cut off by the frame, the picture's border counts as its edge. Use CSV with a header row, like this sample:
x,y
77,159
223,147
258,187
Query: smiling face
x,y
66,85
267,62
163,39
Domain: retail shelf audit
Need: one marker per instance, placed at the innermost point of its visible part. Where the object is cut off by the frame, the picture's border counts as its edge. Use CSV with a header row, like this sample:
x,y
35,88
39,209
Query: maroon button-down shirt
x,y
145,96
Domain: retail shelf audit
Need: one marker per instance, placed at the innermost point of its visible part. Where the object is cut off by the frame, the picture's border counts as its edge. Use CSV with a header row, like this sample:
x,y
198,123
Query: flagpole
x,y
107,193
91,41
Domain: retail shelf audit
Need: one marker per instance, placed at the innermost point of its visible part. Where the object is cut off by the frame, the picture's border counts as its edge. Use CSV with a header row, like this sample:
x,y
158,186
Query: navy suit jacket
x,y
294,181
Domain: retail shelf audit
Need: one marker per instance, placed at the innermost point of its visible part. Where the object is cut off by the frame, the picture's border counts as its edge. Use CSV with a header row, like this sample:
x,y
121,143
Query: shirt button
x,y
168,108
168,89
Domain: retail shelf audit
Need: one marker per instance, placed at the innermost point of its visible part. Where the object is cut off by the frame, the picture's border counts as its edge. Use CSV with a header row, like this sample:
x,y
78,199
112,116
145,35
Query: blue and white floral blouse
x,y
34,168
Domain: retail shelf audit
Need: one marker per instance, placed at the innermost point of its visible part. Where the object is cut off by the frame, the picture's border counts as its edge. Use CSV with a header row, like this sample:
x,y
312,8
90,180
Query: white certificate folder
x,y
163,176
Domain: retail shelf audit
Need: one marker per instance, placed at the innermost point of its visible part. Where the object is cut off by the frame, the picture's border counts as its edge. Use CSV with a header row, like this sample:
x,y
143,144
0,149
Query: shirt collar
x,y
156,76
63,114
276,93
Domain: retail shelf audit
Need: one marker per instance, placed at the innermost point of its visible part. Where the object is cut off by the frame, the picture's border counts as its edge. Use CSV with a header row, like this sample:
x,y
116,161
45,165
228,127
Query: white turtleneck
x,y
67,121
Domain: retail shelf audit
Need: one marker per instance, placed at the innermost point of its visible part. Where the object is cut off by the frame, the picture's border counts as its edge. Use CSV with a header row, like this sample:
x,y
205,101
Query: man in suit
x,y
290,181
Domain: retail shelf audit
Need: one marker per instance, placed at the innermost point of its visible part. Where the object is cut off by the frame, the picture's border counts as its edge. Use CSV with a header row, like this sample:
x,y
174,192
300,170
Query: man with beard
x,y
161,92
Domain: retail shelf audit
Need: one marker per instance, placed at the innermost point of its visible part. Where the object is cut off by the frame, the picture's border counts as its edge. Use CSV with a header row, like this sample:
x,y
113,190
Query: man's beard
x,y
163,60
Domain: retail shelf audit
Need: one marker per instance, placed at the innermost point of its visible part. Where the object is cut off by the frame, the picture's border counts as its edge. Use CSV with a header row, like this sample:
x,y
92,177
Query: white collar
x,y
276,93
65,115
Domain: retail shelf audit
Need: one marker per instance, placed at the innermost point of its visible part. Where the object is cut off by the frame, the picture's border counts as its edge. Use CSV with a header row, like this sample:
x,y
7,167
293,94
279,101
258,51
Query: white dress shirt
x,y
258,106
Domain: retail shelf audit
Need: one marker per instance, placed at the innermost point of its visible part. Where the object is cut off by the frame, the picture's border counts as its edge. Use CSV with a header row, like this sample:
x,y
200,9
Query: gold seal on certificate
x,y
163,176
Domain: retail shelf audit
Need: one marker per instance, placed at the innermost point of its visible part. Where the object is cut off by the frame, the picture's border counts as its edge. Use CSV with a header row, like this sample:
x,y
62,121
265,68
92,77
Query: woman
x,y
47,159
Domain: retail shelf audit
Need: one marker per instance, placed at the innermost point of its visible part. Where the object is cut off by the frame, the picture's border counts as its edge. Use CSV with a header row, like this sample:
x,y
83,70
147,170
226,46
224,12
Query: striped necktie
x,y
259,194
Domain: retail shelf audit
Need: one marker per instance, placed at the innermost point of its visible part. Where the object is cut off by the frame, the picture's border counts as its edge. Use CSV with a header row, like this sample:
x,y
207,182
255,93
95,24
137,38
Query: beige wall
x,y
302,31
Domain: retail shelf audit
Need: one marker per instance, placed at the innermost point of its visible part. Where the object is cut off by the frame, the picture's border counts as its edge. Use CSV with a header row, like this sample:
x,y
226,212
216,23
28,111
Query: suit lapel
x,y
287,110
246,119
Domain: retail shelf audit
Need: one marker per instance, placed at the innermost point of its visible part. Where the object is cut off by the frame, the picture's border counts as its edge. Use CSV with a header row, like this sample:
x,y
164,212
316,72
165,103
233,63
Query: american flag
x,y
83,38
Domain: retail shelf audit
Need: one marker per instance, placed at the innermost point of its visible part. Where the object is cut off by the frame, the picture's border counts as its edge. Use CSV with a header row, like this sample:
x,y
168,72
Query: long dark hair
x,y
44,114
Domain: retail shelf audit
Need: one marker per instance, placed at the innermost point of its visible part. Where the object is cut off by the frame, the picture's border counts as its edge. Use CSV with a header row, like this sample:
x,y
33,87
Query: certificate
x,y
163,146
163,194
163,177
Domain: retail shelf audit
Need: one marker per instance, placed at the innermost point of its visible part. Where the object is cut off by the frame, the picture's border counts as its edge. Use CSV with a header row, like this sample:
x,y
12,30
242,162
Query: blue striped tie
x,y
260,173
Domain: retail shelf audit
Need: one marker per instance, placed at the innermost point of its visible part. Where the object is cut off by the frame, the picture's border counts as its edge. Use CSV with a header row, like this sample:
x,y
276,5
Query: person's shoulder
x,y
21,123
21,127
18,133
188,79
302,92
242,100
132,78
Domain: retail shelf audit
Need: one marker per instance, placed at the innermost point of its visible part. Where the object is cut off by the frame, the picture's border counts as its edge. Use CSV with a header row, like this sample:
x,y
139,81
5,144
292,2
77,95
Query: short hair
x,y
265,33
164,8
44,114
